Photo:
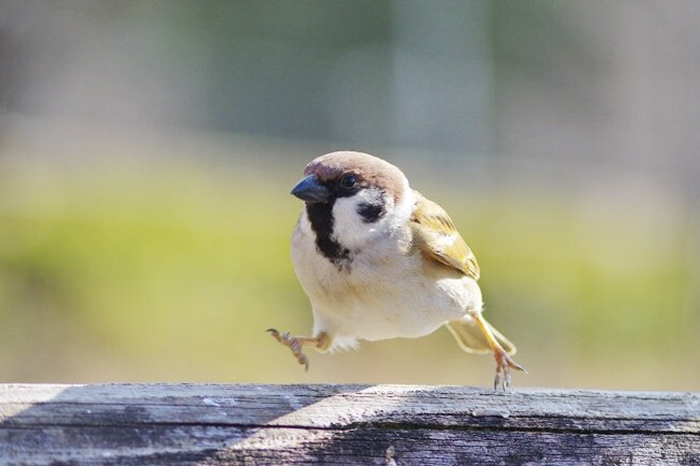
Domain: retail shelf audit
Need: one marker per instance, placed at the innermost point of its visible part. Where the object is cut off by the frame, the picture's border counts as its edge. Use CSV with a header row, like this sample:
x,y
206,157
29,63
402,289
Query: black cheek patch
x,y
370,213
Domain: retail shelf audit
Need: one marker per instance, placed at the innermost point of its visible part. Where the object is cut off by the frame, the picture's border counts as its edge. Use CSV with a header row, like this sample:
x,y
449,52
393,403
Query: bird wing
x,y
437,238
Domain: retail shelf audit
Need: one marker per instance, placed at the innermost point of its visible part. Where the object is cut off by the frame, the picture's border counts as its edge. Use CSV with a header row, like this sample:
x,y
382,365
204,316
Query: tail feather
x,y
472,340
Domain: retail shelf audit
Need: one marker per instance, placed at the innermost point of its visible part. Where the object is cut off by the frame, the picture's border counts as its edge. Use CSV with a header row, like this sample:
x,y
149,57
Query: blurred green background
x,y
147,149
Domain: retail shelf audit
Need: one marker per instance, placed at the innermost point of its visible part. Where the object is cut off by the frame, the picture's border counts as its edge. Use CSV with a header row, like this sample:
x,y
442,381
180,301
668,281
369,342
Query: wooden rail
x,y
347,424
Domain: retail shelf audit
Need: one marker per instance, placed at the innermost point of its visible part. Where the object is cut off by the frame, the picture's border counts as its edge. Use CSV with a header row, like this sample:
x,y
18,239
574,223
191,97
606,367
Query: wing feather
x,y
438,239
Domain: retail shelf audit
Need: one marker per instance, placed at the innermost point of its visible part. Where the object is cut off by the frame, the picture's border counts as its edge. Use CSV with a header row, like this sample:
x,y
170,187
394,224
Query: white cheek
x,y
349,228
404,208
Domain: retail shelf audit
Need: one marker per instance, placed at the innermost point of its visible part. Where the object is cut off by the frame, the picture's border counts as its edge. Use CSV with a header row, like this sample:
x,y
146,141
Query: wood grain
x,y
343,424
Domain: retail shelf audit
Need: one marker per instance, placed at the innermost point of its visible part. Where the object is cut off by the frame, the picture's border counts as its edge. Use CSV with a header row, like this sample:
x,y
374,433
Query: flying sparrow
x,y
378,261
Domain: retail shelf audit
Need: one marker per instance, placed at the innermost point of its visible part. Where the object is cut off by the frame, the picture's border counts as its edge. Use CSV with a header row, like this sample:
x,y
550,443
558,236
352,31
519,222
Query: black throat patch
x,y
321,218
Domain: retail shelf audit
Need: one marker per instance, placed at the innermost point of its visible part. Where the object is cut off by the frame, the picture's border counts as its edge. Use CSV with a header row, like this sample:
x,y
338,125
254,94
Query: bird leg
x,y
295,344
504,363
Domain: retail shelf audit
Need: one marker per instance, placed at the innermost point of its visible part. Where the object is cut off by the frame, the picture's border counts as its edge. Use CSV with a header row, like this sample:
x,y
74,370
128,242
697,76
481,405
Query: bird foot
x,y
294,344
504,364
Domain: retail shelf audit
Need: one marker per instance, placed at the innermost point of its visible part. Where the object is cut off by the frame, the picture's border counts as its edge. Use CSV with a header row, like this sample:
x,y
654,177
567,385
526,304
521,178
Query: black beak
x,y
310,189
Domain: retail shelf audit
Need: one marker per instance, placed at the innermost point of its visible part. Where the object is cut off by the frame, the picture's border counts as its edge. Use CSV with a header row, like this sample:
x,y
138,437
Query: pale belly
x,y
390,310
380,298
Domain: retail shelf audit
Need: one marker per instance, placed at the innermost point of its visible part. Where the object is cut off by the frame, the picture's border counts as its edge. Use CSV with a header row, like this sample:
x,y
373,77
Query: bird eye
x,y
348,181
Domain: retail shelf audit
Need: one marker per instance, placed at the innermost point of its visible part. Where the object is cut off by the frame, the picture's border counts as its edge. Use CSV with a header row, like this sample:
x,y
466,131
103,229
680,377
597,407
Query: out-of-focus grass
x,y
173,272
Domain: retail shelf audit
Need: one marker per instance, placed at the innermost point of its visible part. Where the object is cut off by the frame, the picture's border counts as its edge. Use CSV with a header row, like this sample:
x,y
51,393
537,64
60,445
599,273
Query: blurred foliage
x,y
172,271
561,137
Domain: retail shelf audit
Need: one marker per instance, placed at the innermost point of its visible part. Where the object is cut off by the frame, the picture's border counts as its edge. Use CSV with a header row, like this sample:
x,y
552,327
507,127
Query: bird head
x,y
353,196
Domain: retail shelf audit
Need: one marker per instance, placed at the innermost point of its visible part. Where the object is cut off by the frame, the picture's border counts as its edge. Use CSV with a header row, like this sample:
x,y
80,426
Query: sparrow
x,y
378,260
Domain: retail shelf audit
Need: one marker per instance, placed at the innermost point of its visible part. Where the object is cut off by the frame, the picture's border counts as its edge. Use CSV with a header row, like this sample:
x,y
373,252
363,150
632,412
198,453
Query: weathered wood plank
x,y
350,424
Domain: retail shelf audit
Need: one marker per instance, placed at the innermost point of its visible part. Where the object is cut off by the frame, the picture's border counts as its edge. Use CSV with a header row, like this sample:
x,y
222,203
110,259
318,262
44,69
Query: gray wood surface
x,y
348,424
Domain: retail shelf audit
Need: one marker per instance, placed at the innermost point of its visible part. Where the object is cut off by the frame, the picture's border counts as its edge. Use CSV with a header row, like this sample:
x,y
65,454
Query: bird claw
x,y
504,364
293,344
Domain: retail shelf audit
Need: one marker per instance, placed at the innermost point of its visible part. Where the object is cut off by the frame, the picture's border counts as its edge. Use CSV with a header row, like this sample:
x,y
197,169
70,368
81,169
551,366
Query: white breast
x,y
383,294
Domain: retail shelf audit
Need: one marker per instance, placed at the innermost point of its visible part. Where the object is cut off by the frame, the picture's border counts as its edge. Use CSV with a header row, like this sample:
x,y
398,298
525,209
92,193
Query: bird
x,y
378,260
